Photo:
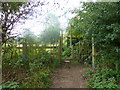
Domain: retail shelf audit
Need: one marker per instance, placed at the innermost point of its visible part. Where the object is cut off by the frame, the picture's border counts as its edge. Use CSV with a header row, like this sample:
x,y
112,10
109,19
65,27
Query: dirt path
x,y
69,78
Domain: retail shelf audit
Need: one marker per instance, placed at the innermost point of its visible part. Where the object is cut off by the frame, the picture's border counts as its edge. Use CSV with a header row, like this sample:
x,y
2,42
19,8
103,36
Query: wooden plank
x,y
38,47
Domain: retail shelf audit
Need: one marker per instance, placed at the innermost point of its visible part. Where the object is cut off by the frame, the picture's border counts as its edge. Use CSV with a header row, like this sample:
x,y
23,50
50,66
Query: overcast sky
x,y
36,22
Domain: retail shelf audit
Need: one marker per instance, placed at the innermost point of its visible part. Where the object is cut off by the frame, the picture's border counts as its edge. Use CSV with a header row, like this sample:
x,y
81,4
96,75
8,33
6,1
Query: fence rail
x,y
38,47
24,48
79,50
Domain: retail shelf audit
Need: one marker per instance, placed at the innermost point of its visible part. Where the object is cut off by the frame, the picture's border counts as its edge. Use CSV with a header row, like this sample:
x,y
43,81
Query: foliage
x,y
52,30
99,24
105,78
43,77
67,52
44,60
12,13
27,37
39,79
10,56
10,85
37,62
101,21
98,20
55,64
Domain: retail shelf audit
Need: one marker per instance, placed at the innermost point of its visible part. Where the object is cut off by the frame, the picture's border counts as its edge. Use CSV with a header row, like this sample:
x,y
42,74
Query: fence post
x,y
60,50
93,53
24,48
71,46
72,51
79,48
78,51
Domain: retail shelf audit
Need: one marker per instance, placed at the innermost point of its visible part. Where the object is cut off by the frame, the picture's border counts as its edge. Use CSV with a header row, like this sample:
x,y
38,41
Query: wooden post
x,y
60,46
61,40
71,39
71,44
59,50
78,53
24,48
72,51
93,53
79,48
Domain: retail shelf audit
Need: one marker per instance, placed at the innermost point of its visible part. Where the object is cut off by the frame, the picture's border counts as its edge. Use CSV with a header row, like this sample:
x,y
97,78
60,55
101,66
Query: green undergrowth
x,y
39,79
105,78
32,70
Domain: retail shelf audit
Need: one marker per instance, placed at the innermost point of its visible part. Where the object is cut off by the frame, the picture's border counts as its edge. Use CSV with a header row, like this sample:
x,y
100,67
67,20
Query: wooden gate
x,y
53,50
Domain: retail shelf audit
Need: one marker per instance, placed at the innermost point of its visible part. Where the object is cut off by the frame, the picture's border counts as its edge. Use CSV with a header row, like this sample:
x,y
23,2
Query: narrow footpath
x,y
69,77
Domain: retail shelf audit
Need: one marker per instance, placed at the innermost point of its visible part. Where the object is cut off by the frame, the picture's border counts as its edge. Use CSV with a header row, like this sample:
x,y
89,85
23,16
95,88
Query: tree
x,y
101,21
52,30
27,37
11,13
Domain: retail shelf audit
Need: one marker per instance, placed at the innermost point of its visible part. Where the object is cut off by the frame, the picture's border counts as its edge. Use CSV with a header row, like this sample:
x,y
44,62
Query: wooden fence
x,y
78,50
24,48
53,50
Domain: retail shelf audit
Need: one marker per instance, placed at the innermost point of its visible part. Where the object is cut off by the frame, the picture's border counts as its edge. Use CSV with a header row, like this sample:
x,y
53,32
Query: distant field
x,y
20,50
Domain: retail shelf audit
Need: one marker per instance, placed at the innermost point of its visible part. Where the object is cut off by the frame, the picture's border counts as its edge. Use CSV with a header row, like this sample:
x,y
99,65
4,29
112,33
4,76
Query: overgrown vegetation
x,y
105,78
37,68
30,66
101,21
27,66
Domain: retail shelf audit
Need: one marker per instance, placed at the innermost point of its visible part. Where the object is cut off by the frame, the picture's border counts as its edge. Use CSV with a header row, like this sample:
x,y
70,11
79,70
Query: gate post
x,y
93,53
60,50
72,51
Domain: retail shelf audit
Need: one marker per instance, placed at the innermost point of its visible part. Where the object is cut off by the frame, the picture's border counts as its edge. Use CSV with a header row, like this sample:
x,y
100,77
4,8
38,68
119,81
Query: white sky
x,y
35,24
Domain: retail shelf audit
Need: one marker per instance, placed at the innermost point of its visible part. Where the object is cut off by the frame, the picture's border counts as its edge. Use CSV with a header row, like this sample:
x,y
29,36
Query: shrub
x,y
40,79
105,78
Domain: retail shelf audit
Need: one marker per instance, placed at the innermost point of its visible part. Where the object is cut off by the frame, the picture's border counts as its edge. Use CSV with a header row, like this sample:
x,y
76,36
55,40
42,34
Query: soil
x,y
69,77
